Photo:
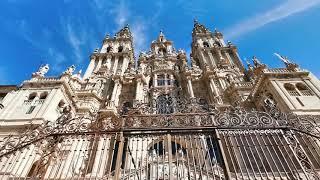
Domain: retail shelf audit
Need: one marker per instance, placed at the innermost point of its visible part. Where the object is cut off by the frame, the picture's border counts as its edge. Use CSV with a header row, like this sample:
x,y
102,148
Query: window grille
x,y
30,110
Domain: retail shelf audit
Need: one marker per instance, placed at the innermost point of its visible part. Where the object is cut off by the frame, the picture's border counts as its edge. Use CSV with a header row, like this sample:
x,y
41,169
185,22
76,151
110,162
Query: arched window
x,y
162,51
304,90
205,44
120,48
218,43
32,96
291,89
109,48
43,95
165,104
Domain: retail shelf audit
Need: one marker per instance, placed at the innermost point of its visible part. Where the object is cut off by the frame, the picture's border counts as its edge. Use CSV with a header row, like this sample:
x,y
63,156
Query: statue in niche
x,y
42,70
98,86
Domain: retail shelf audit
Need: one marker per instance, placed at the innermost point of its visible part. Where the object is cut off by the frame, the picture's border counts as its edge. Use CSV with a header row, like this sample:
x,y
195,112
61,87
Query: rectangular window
x,y
30,110
161,80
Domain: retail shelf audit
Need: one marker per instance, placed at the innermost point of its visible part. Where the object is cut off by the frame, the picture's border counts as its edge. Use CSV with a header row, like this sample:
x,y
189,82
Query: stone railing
x,y
243,84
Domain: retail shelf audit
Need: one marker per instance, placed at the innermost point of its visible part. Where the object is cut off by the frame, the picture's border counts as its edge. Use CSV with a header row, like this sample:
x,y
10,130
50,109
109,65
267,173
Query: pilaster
x,y
89,69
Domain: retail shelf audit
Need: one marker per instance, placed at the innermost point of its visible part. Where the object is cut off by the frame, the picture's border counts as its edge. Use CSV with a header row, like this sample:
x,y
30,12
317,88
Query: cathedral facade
x,y
162,116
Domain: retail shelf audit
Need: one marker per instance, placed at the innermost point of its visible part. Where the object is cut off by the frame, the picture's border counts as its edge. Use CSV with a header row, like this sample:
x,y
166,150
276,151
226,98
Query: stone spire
x,y
124,32
199,29
256,62
43,69
161,37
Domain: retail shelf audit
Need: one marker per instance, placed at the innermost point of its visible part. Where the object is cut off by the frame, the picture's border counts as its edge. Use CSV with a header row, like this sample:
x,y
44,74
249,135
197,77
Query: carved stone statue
x,y
42,70
66,115
78,75
249,66
256,61
70,70
287,62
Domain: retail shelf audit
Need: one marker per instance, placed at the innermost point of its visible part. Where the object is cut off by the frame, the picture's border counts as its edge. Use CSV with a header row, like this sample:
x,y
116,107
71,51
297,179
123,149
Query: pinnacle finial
x,y
195,21
161,37
287,62
161,33
256,61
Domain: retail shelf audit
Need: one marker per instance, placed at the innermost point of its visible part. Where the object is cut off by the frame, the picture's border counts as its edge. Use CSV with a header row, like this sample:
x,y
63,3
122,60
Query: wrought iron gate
x,y
211,144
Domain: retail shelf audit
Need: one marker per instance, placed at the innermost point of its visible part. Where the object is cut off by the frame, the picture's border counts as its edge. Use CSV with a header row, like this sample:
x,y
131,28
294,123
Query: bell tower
x,y
108,65
160,70
218,60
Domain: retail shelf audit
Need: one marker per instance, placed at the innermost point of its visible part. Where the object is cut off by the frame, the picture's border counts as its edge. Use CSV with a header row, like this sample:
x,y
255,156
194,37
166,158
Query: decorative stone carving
x,y
42,71
287,62
70,70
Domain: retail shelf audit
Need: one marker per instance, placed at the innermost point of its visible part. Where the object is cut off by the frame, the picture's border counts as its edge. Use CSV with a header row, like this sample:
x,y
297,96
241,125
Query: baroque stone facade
x,y
116,82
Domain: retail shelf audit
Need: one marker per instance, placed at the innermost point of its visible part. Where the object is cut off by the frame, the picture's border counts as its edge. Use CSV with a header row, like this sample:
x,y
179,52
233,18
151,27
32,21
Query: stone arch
x,y
290,88
32,96
43,95
109,49
303,89
120,48
205,44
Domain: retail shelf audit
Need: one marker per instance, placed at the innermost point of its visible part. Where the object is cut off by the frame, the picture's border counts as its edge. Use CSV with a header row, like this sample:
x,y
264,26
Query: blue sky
x,y
65,32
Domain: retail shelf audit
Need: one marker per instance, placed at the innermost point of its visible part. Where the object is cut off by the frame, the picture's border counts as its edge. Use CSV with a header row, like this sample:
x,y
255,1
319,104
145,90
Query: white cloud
x,y
122,14
75,42
42,44
284,10
138,25
139,34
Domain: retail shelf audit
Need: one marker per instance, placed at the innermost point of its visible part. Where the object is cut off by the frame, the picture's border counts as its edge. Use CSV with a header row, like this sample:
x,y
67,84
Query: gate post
x,y
223,155
119,157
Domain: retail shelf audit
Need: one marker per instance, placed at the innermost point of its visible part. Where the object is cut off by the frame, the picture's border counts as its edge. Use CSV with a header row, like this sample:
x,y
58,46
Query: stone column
x,y
212,59
215,91
229,57
125,63
204,60
189,85
155,83
116,92
108,62
96,69
221,59
139,90
115,65
116,101
171,79
89,69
